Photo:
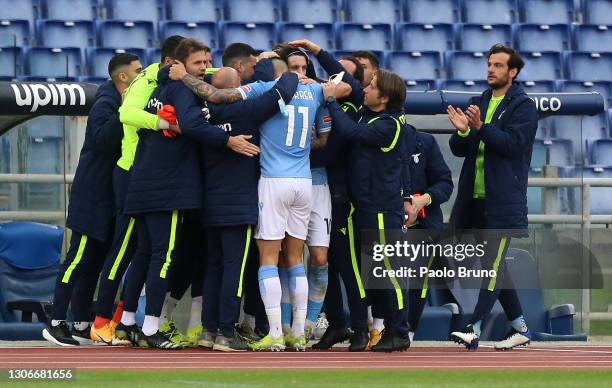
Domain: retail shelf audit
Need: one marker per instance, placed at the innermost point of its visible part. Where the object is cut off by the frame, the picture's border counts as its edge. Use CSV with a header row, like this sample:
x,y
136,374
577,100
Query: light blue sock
x,y
519,324
476,327
283,274
266,272
317,287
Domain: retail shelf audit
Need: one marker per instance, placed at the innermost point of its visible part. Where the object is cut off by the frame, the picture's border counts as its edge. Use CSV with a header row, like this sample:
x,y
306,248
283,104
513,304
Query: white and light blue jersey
x,y
285,140
322,125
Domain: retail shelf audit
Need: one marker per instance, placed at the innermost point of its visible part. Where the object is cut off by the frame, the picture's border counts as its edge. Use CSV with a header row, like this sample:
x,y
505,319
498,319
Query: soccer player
x,y
495,135
377,184
91,208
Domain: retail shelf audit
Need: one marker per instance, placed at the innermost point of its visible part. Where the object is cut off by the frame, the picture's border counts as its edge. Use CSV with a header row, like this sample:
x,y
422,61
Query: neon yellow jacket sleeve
x,y
136,97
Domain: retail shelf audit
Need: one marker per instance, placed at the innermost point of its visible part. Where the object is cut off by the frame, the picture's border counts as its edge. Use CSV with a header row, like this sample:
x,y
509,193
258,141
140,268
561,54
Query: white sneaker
x,y
320,326
514,339
466,337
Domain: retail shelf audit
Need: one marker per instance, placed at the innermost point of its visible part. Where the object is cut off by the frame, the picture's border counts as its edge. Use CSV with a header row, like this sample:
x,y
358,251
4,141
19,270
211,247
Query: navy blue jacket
x,y
230,179
429,173
91,209
166,174
376,152
508,145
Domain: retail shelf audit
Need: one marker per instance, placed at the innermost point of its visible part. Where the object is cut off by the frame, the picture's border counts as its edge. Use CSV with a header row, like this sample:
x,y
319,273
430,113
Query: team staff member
x,y
369,63
495,136
91,208
376,184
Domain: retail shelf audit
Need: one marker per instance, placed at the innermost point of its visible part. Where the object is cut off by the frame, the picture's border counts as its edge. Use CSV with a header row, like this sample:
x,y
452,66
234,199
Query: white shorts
x,y
284,207
319,226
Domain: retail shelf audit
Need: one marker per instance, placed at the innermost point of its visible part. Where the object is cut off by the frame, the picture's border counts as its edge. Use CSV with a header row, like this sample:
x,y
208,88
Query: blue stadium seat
x,y
252,10
136,10
59,33
465,86
53,62
10,61
217,55
432,11
422,85
194,10
310,11
600,196
19,10
590,66
93,79
424,37
354,36
581,130
601,152
547,11
490,11
597,11
556,152
204,31
545,128
70,9
322,33
541,66
113,33
462,65
261,36
31,78
480,37
14,33
593,38
98,59
539,86
543,37
373,11
415,65
153,55
534,195
602,87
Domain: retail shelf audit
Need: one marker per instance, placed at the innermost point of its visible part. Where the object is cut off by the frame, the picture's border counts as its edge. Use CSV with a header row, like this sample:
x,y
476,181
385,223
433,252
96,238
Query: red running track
x,y
534,357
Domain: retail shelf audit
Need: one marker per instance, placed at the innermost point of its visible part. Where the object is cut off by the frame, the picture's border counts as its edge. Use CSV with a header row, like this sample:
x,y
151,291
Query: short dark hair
x,y
358,69
121,59
169,46
187,47
367,55
236,51
393,86
515,61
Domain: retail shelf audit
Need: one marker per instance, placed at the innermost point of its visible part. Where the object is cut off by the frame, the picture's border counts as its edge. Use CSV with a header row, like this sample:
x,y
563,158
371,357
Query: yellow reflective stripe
x,y
76,260
500,252
164,270
244,259
397,133
381,238
426,281
347,104
124,244
351,233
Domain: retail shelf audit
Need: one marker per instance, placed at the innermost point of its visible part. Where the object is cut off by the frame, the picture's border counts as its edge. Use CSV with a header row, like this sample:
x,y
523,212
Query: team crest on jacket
x,y
415,157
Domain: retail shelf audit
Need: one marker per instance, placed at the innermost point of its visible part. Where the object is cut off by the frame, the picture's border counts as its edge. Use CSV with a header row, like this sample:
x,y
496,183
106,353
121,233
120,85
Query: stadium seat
x,y
539,86
10,61
554,152
70,9
490,11
19,10
601,152
602,87
153,55
53,62
98,59
580,130
135,10
373,11
310,11
31,78
534,195
29,263
204,31
600,196
463,65
432,11
217,55
59,33
545,128
477,86
480,37
93,79
113,33
14,33
424,37
593,38
354,36
415,65
541,66
597,11
590,66
547,11
261,36
421,85
194,10
543,37
260,11
322,33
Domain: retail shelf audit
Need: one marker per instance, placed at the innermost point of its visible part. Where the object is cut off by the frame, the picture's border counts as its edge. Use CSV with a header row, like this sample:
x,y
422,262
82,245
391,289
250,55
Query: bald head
x,y
226,77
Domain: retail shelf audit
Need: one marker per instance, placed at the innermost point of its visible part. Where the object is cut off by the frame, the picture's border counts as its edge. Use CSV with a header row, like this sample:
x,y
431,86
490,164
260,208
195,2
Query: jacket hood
x,y
108,90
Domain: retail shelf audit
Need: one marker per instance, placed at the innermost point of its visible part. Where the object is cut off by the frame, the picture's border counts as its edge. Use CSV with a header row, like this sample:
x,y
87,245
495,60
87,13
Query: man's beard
x,y
498,83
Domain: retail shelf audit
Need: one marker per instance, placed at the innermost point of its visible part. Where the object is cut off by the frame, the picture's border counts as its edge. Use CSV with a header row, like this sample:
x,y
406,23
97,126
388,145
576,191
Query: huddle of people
x,y
216,179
